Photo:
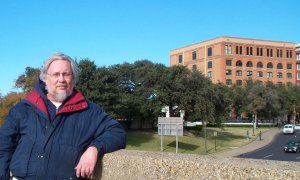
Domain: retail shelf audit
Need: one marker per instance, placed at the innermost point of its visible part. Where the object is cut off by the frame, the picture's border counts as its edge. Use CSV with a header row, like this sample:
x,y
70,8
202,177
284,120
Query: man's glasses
x,y
57,75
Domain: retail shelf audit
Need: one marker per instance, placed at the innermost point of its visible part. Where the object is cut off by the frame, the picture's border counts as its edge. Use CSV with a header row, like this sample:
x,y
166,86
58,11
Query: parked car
x,y
297,127
292,146
288,129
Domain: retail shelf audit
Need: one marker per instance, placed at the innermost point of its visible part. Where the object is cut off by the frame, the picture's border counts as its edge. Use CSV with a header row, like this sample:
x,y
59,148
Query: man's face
x,y
59,81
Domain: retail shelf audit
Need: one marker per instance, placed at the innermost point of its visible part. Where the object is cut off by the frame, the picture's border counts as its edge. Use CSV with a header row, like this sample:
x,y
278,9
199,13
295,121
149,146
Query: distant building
x,y
232,60
298,64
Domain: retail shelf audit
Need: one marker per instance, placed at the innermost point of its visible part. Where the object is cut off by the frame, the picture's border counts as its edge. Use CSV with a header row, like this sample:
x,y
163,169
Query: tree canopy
x,y
140,90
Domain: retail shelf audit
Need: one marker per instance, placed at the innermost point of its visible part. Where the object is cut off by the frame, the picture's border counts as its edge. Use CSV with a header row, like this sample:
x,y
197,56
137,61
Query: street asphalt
x,y
258,143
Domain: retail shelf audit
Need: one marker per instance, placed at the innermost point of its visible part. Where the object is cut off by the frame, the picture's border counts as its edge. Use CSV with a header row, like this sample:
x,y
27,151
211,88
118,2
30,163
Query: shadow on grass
x,y
136,138
222,135
181,145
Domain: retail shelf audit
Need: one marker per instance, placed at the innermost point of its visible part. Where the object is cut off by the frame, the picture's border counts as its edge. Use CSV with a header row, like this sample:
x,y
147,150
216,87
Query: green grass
x,y
192,142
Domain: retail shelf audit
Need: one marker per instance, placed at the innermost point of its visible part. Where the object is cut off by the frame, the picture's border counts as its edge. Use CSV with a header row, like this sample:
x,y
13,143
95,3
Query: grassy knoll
x,y
192,142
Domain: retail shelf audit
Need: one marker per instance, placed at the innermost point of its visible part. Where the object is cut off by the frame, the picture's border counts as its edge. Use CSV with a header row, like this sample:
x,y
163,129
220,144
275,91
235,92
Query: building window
x,y
270,65
269,74
209,51
239,50
228,82
289,53
259,74
249,73
209,64
239,73
239,63
228,62
298,66
298,56
228,72
279,52
279,66
289,75
279,75
259,65
249,50
249,64
269,52
180,58
228,49
239,82
289,66
209,74
298,76
194,67
259,51
194,55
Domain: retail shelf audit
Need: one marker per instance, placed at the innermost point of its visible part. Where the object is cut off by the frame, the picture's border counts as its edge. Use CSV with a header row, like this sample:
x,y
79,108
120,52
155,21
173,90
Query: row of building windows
x,y
239,50
259,74
250,64
239,63
240,82
194,55
259,51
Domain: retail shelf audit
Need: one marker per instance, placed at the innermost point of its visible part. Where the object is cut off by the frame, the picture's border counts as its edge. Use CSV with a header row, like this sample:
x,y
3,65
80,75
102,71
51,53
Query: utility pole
x,y
269,119
205,138
294,114
254,123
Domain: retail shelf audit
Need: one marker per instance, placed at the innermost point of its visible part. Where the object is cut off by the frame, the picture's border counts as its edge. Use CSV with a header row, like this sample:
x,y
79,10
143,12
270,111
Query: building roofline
x,y
256,39
232,37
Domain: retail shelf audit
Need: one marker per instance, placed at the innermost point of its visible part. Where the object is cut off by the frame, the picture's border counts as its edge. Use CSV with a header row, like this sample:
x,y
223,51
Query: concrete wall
x,y
140,165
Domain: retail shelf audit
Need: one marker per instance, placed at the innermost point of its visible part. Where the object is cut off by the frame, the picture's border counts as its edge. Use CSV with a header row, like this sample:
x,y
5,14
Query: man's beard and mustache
x,y
59,97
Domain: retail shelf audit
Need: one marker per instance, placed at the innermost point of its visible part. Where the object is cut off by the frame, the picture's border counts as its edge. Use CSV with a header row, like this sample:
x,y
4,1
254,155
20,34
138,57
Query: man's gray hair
x,y
59,56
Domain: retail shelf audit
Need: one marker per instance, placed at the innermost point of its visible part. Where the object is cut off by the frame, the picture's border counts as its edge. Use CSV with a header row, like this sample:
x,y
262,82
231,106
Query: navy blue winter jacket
x,y
34,147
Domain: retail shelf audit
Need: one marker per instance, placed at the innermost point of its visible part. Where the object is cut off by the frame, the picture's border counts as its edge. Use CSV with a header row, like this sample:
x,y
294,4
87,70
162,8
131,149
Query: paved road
x,y
267,138
274,150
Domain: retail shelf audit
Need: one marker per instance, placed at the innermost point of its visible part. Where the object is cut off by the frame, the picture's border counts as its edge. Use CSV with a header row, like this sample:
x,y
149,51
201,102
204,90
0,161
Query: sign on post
x,y
172,126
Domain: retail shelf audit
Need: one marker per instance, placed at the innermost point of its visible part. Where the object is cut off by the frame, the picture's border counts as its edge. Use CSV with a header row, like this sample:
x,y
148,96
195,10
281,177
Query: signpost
x,y
215,135
170,126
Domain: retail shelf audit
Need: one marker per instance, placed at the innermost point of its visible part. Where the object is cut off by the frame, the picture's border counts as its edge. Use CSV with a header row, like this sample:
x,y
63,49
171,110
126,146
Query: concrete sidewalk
x,y
267,137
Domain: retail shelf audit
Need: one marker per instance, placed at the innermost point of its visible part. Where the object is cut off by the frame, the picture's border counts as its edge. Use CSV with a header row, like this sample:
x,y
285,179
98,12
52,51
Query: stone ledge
x,y
131,165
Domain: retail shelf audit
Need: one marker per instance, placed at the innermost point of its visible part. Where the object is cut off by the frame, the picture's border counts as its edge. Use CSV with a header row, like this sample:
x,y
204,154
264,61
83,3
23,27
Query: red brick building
x,y
232,60
298,64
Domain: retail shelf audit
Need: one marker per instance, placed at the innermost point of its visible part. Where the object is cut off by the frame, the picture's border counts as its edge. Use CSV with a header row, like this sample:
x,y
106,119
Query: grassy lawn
x,y
192,142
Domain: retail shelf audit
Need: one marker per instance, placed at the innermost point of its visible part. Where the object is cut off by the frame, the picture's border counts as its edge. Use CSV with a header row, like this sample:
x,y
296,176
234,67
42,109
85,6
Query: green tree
x,y
272,100
222,100
256,99
172,88
239,104
197,99
7,102
147,77
86,77
27,80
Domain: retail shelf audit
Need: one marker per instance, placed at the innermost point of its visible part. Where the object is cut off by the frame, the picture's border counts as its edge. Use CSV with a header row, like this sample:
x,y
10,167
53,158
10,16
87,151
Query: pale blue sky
x,y
118,31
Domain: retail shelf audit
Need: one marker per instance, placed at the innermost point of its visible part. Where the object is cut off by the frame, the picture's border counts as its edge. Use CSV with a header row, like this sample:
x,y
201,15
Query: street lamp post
x,y
270,119
253,120
205,138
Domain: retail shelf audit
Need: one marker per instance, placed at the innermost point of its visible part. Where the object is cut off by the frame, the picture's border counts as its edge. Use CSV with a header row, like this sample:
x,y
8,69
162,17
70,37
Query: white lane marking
x,y
297,157
268,156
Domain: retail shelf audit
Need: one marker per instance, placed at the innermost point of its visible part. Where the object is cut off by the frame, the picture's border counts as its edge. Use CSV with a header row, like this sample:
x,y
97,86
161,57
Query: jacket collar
x,y
38,97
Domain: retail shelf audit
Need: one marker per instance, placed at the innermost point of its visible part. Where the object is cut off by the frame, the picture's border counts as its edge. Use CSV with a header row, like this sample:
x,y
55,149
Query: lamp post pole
x,y
205,138
253,120
270,119
294,114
